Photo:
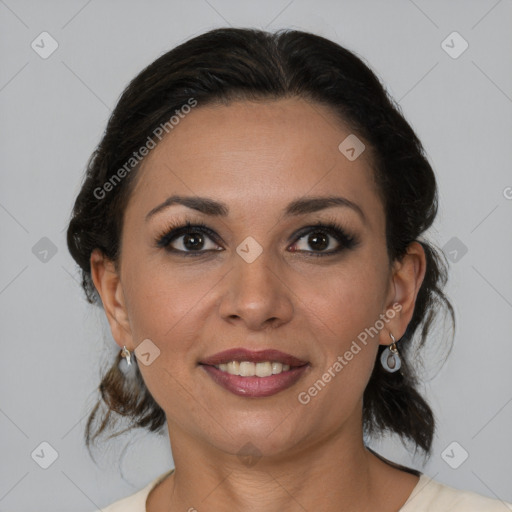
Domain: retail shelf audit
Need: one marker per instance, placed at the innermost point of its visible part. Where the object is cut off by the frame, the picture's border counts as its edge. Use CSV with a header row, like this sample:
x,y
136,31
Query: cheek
x,y
344,319
163,300
168,307
346,352
167,311
349,303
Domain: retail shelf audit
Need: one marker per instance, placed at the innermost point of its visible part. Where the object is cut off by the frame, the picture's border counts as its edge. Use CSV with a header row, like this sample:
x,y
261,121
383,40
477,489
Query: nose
x,y
256,294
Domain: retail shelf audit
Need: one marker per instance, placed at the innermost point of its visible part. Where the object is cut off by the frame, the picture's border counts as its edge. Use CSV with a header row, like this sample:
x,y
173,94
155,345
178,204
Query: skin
x,y
256,158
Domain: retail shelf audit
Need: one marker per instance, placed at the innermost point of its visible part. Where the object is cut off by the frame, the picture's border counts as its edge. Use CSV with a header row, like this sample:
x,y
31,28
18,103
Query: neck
x,y
337,473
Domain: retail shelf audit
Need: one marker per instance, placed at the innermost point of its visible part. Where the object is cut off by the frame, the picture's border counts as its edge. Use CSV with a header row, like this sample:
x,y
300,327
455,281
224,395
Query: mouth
x,y
242,355
254,374
249,369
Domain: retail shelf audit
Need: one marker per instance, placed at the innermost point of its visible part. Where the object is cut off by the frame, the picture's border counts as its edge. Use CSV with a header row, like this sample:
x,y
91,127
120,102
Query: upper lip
x,y
243,354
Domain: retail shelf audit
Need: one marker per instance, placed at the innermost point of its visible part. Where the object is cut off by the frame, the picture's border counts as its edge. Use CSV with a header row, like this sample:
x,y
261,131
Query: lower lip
x,y
256,386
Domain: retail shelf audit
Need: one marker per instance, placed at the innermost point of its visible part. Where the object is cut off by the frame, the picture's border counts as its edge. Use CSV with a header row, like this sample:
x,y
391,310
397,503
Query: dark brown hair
x,y
229,64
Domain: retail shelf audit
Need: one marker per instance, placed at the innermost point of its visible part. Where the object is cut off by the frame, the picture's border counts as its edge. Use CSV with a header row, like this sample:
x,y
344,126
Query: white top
x,y
427,496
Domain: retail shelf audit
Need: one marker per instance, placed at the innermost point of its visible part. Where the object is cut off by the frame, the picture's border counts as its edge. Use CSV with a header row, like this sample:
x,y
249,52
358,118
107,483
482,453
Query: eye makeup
x,y
177,228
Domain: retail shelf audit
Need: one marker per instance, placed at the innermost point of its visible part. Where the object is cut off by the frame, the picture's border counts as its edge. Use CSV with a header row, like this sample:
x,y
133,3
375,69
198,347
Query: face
x,y
251,274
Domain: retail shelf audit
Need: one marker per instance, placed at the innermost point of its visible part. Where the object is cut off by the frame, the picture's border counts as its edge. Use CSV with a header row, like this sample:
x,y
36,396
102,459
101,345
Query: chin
x,y
270,436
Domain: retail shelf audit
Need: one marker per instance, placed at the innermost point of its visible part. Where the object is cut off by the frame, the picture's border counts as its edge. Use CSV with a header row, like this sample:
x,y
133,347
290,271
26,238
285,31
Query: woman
x,y
251,223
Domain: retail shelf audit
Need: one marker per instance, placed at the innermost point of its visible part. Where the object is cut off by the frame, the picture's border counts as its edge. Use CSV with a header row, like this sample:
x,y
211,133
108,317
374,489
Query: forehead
x,y
256,156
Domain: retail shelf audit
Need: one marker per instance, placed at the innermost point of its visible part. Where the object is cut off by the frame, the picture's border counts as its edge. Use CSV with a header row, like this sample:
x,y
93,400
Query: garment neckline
x,y
420,485
152,485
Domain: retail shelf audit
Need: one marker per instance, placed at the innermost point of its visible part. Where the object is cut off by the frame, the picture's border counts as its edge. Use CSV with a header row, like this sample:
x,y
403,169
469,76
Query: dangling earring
x,y
127,355
390,358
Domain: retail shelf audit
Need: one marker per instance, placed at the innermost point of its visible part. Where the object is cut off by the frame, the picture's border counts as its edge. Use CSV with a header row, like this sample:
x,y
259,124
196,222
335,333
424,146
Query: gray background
x,y
53,112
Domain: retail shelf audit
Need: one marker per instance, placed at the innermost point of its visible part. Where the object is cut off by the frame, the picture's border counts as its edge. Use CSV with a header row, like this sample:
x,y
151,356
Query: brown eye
x,y
317,241
193,241
189,239
324,240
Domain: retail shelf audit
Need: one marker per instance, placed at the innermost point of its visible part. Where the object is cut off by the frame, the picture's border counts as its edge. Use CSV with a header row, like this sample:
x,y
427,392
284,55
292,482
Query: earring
x,y
127,355
390,358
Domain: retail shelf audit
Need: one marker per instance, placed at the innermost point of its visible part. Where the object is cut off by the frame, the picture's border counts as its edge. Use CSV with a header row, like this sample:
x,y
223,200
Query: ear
x,y
408,275
108,284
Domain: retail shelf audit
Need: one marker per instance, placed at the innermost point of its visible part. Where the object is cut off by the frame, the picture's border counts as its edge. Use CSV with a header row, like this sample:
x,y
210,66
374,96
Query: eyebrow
x,y
297,207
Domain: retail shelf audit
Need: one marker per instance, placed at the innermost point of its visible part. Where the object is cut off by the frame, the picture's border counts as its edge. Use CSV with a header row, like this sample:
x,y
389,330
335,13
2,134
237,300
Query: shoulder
x,y
135,502
429,495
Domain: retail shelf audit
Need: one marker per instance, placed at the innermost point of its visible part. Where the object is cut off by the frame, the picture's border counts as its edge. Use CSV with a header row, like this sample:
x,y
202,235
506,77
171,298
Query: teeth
x,y
277,368
231,367
263,369
249,369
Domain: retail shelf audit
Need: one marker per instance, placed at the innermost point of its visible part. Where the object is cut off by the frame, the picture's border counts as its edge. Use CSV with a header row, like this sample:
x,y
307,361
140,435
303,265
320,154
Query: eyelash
x,y
179,228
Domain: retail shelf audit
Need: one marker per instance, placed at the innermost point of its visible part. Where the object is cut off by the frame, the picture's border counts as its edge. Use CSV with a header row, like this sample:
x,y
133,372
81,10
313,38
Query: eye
x,y
324,239
188,239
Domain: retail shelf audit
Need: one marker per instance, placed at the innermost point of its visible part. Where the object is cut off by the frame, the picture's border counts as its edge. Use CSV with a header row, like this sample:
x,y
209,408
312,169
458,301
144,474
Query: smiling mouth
x,y
250,369
252,373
